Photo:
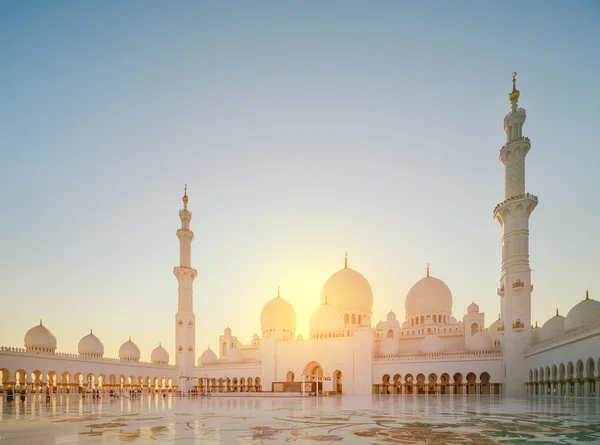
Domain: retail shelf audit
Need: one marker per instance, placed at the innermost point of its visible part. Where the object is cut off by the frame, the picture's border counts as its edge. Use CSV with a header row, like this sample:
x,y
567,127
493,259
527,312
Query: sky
x,y
304,130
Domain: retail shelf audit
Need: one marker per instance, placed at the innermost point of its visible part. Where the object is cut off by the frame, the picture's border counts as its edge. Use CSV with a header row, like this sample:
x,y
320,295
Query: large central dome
x,y
428,295
348,291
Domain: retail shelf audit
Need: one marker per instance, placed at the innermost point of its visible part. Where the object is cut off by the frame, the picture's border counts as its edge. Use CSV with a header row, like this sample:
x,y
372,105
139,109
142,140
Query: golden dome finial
x,y
278,291
587,296
41,322
556,312
185,197
427,269
536,325
498,316
91,332
514,94
346,260
130,338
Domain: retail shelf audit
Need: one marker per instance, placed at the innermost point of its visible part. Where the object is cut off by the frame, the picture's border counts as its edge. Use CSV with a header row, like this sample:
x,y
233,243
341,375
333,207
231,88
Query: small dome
x,y
160,355
473,308
227,331
90,346
348,291
235,355
428,295
40,338
432,344
129,351
300,337
405,325
278,315
255,337
555,327
584,313
326,319
391,316
481,341
388,346
493,329
207,357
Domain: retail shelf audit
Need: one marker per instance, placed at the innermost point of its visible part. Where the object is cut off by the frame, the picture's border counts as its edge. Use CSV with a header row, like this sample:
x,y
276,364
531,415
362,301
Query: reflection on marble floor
x,y
348,419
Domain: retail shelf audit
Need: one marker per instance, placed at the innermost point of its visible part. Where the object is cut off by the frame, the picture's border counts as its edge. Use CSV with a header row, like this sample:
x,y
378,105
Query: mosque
x,y
432,351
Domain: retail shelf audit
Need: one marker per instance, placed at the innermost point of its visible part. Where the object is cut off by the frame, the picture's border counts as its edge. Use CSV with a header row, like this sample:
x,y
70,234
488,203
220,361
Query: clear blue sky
x,y
304,130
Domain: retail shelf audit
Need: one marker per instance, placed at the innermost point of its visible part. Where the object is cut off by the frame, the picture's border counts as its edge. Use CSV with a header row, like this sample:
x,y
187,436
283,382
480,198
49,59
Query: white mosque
x,y
431,352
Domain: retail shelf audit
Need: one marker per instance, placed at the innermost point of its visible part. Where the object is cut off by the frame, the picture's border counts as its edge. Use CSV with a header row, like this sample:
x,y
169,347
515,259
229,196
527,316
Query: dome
x,y
555,327
391,316
255,337
347,290
207,357
40,338
428,295
481,341
235,355
326,319
583,313
129,351
227,331
493,329
473,308
388,346
90,346
160,355
278,315
405,325
432,344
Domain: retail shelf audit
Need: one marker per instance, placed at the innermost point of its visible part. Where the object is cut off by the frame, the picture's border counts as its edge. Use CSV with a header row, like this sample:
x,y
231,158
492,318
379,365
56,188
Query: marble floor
x,y
374,419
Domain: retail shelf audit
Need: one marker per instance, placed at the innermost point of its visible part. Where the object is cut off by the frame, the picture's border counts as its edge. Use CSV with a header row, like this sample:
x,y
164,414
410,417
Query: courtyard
x,y
378,419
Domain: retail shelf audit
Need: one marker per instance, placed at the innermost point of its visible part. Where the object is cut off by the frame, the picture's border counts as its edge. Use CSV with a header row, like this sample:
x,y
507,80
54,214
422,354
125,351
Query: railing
x,y
514,198
568,335
518,110
70,356
520,138
227,363
470,355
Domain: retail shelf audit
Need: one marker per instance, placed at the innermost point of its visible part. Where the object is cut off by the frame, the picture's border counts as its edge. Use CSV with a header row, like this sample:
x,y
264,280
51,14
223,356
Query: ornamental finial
x,y
346,260
278,291
587,296
427,269
185,197
41,322
91,332
498,316
514,94
130,338
556,312
536,325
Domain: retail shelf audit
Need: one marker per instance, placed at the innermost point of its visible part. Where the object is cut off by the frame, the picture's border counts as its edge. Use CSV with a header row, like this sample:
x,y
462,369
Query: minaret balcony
x,y
512,141
518,285
523,197
518,110
500,291
518,325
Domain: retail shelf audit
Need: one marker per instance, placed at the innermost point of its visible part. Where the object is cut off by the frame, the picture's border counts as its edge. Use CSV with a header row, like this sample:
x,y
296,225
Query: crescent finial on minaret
x,y
185,197
514,94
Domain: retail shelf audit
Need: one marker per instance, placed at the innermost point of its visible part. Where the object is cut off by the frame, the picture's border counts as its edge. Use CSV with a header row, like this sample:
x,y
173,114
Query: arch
x,y
289,376
434,318
561,371
554,372
4,376
432,383
353,318
445,383
579,369
484,386
474,329
347,319
234,382
408,384
570,370
390,333
471,381
20,377
313,370
337,381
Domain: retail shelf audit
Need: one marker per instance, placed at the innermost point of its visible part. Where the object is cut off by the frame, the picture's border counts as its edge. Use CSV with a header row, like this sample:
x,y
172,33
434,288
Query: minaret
x,y
185,321
513,215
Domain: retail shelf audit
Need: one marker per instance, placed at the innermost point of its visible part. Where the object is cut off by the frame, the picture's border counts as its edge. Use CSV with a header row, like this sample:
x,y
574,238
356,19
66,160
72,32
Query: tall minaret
x,y
185,321
513,215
